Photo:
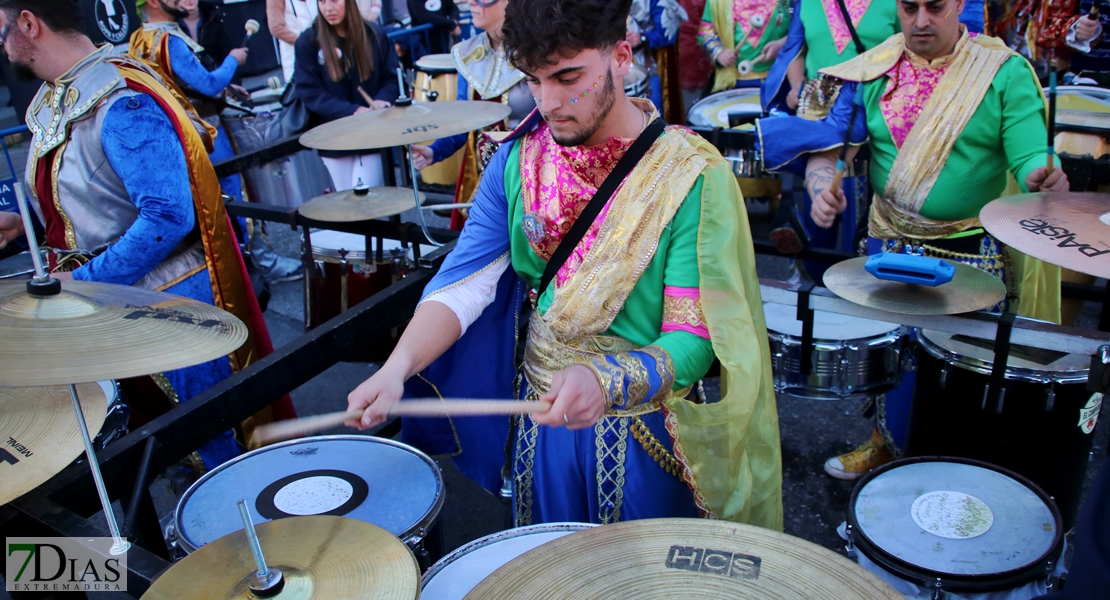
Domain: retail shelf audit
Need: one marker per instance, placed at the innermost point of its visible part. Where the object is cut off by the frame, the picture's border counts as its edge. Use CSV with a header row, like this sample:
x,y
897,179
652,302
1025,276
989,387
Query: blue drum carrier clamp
x,y
910,268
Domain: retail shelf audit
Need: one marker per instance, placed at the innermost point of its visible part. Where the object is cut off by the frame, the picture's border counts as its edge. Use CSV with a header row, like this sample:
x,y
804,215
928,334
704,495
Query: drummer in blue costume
x,y
162,42
99,124
662,281
484,74
936,91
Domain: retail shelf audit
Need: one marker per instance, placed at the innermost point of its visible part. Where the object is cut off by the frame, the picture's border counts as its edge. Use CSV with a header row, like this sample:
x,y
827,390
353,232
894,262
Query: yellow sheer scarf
x,y
731,448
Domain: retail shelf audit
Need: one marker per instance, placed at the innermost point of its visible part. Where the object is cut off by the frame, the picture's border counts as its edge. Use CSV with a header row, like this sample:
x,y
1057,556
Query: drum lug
x,y
845,386
1001,398
779,371
938,591
1050,398
850,548
1049,580
944,377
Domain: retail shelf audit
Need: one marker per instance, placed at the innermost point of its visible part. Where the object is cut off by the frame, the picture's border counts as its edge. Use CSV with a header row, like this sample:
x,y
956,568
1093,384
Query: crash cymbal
x,y
96,331
359,205
970,290
38,430
400,125
675,558
1070,229
319,557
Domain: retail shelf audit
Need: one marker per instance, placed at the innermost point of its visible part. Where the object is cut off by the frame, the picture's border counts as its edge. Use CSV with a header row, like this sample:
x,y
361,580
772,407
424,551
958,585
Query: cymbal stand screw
x,y
266,582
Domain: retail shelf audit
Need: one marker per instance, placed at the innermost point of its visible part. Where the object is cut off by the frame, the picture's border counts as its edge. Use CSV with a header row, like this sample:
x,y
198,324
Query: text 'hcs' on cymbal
x,y
970,290
96,331
680,558
319,557
39,429
1070,229
402,125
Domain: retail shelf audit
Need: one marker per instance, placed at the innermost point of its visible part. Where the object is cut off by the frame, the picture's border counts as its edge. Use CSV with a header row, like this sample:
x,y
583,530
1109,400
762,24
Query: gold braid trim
x,y
654,448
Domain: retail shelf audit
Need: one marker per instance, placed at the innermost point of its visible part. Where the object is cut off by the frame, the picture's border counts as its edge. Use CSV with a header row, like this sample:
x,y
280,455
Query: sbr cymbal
x,y
351,205
676,558
1069,229
400,125
38,433
970,290
319,557
95,331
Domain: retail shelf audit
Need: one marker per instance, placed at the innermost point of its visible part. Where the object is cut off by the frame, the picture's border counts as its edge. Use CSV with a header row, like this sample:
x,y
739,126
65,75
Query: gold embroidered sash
x,y
943,118
586,304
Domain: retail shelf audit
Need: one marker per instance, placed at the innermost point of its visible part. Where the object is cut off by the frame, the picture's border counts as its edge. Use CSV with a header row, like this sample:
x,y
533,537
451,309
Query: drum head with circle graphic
x,y
379,481
953,518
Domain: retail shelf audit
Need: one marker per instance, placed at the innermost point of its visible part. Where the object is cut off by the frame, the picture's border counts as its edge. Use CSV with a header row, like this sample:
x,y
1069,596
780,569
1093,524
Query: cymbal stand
x,y
266,581
405,100
42,286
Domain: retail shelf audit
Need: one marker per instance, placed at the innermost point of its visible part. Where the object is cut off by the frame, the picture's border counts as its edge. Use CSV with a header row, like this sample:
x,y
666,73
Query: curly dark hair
x,y
61,16
536,31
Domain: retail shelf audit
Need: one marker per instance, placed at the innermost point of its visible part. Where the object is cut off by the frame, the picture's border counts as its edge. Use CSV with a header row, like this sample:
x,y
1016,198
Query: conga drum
x,y
437,81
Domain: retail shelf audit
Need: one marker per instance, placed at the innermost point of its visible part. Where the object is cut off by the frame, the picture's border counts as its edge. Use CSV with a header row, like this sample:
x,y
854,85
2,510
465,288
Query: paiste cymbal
x,y
970,290
39,435
351,205
401,125
1069,229
95,331
319,557
680,558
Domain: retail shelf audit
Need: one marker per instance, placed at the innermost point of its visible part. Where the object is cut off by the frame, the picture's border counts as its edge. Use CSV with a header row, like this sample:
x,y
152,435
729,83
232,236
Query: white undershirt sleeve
x,y
469,298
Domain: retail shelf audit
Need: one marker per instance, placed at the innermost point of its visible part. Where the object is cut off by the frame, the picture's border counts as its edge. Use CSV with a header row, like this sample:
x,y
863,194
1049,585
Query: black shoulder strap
x,y
860,48
582,223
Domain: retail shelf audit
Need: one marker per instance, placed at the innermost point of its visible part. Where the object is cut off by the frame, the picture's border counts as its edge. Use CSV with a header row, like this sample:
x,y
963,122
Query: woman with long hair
x,y
345,66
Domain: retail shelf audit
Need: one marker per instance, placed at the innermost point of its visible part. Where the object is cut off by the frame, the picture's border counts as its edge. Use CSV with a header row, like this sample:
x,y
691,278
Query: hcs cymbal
x,y
319,557
95,331
38,430
350,206
401,125
676,558
1067,229
970,290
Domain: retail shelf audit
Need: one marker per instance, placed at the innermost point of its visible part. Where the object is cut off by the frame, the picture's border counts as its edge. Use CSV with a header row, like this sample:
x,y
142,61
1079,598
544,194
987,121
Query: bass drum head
x,y
1023,363
454,575
826,325
974,525
713,111
386,483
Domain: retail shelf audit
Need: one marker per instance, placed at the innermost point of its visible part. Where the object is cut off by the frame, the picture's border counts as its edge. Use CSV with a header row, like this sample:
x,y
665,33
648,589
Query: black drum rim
x,y
951,582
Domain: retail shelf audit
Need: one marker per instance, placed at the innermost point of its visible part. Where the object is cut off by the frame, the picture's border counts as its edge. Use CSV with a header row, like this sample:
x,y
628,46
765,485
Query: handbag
x,y
295,116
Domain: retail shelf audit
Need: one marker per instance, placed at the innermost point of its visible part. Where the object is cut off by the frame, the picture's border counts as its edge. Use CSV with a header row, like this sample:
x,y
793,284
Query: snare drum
x,y
1082,121
18,266
636,84
851,357
437,81
943,525
725,108
456,574
386,483
343,276
1043,428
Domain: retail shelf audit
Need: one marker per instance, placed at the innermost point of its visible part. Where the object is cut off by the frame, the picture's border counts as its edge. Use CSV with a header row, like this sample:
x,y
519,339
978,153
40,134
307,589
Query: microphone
x,y
252,28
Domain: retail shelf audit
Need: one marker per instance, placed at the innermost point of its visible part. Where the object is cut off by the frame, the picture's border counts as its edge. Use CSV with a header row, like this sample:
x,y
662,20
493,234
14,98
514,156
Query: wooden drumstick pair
x,y
431,407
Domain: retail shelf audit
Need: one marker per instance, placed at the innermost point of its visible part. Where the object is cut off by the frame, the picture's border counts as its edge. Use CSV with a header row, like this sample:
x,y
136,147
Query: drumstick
x,y
1050,164
366,97
434,407
447,206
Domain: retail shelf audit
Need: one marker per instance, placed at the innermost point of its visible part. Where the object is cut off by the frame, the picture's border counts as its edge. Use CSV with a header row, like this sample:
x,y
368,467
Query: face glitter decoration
x,y
600,78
